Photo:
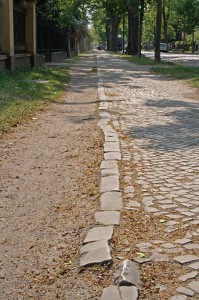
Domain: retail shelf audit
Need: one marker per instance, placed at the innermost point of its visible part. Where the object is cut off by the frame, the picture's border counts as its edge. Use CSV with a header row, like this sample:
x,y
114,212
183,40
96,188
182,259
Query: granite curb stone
x,y
94,253
127,274
109,184
120,293
99,234
108,217
110,205
111,201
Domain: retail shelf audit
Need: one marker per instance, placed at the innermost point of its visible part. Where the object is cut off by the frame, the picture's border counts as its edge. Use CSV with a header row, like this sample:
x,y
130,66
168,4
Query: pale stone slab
x,y
133,203
112,155
111,138
191,246
151,209
159,257
108,129
111,201
168,246
185,291
194,265
178,297
105,115
183,259
182,241
99,234
127,274
121,293
108,217
111,147
95,253
109,184
128,293
111,293
187,276
142,260
109,172
194,285
103,105
111,133
109,164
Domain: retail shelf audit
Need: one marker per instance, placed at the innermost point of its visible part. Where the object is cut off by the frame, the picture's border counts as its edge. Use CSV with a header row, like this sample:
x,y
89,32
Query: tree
x,y
133,26
188,10
158,30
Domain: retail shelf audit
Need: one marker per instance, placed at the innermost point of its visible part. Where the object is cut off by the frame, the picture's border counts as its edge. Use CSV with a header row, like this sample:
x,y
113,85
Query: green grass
x,y
94,69
24,92
191,74
143,60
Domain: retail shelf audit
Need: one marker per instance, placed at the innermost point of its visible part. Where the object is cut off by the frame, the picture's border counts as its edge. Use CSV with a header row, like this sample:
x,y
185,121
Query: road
x,y
156,118
181,59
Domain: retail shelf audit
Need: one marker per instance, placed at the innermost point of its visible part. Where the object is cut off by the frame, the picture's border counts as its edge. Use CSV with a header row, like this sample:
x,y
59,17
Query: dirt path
x,y
49,179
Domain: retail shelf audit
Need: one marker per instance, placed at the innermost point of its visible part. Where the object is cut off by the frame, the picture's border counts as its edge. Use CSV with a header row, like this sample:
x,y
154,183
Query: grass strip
x,y
24,92
191,74
143,60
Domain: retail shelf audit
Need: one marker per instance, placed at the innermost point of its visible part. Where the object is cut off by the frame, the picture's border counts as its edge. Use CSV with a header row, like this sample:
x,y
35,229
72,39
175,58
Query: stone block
x,y
183,259
111,147
112,155
194,285
109,184
127,274
95,253
99,234
109,172
128,292
111,201
121,293
188,276
108,217
111,293
109,164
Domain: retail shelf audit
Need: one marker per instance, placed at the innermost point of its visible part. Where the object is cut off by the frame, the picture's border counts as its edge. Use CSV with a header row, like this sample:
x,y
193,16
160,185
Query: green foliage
x,y
24,92
188,13
98,29
71,14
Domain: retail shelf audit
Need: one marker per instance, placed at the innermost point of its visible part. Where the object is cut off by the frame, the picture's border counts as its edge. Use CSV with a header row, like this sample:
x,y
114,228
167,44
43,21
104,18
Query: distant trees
x,y
188,13
154,20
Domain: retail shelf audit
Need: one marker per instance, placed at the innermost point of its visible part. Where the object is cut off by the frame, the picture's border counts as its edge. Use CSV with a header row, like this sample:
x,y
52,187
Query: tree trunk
x,y
114,35
158,30
165,23
133,29
193,43
108,29
141,17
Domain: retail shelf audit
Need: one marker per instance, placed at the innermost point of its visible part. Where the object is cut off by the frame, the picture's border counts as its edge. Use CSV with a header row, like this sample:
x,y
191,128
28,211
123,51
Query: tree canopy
x,y
136,18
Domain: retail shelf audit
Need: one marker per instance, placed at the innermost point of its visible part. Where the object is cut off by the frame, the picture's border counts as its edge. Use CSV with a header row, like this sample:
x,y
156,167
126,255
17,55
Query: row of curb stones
x,y
96,248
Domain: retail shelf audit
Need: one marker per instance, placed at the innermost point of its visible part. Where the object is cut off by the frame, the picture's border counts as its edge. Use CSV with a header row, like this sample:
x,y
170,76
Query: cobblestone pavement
x,y
158,121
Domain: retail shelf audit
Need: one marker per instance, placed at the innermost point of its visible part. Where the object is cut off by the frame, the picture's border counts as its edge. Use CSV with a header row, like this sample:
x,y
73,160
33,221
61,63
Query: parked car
x,y
163,47
101,47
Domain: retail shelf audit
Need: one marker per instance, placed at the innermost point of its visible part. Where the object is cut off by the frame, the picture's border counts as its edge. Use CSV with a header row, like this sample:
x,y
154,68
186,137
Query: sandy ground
x,y
49,179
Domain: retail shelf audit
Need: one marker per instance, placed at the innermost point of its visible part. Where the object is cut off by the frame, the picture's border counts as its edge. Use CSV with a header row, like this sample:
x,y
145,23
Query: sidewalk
x,y
156,118
54,192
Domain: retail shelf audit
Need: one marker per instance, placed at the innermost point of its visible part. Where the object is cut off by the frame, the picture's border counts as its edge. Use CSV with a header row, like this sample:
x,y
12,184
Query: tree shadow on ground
x,y
182,132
